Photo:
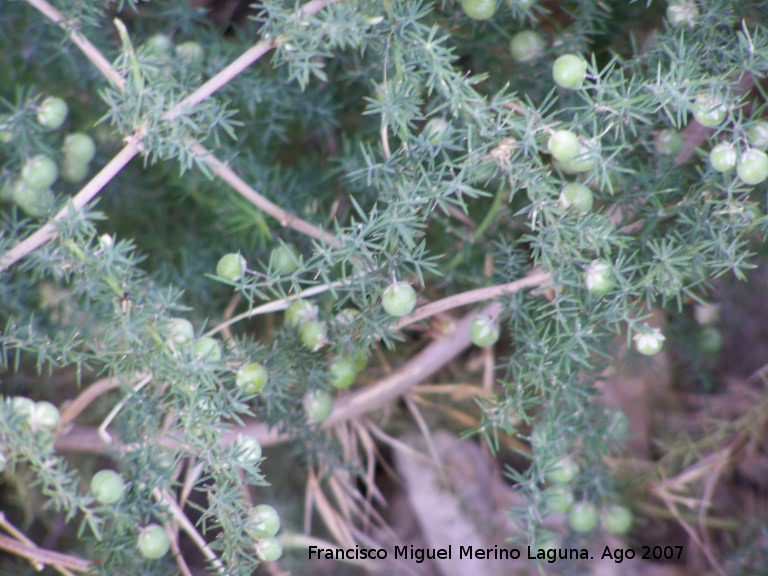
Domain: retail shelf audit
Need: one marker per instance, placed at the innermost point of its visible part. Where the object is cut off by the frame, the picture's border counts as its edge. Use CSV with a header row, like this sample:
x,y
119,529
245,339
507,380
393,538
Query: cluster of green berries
x,y
584,516
31,191
40,416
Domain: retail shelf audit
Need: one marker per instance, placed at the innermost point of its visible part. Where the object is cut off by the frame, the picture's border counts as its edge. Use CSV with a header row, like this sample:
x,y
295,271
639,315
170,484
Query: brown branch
x,y
42,555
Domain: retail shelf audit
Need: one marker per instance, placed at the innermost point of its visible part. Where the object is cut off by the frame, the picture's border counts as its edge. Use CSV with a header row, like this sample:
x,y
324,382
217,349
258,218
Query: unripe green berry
x,y
313,335
616,520
598,277
73,170
159,45
753,166
318,406
190,52
564,471
649,341
682,12
484,331
399,299
39,173
79,146
436,130
563,145
669,142
107,486
153,542
758,135
723,157
558,498
284,259
342,372
299,312
264,522
577,196
231,267
569,70
479,9
52,113
45,416
269,549
526,46
583,517
180,331
36,203
709,340
251,377
249,449
208,349
23,406
709,110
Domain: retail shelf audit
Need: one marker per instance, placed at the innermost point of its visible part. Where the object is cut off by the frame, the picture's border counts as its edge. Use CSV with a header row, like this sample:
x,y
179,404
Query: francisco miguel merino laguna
x,y
550,555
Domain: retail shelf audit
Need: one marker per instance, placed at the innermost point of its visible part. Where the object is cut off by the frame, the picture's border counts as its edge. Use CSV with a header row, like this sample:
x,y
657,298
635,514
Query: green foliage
x,y
394,143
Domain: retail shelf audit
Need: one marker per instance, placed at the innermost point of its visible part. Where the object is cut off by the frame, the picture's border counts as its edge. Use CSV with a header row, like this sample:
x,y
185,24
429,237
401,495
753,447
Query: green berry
x,y
269,549
45,416
208,349
231,267
616,519
39,173
723,157
582,162
526,46
248,448
79,146
153,542
564,471
313,335
484,331
299,312
74,171
318,406
398,299
436,130
709,110
563,145
576,196
682,12
558,499
107,486
36,203
180,331
251,377
284,260
583,517
479,9
669,142
159,45
709,340
264,522
342,372
598,277
569,70
649,341
190,52
753,166
360,358
52,113
23,406
758,135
